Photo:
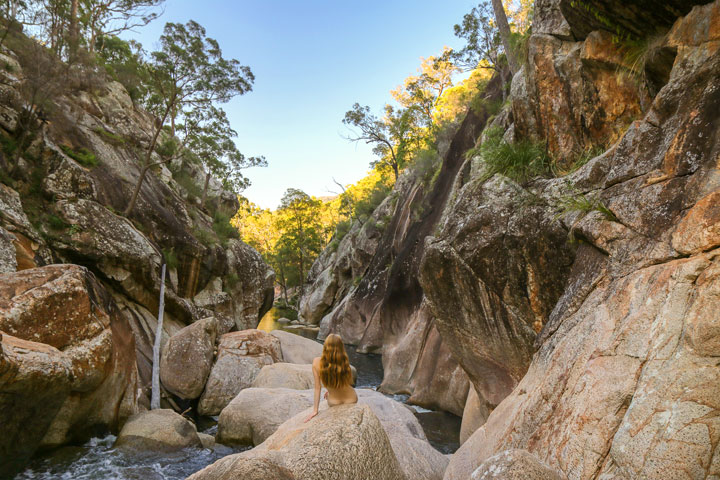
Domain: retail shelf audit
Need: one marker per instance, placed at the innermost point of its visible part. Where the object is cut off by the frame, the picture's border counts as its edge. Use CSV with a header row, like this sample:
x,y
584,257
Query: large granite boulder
x,y
35,380
245,469
285,375
64,306
158,430
256,413
241,356
474,415
187,359
253,291
347,441
296,348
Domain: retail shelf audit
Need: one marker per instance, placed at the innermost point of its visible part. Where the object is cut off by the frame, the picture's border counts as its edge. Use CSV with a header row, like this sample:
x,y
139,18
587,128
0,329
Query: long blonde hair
x,y
334,363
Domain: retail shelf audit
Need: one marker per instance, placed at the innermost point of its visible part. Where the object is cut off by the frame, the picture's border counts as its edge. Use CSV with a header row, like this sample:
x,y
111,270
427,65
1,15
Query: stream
x,y
98,460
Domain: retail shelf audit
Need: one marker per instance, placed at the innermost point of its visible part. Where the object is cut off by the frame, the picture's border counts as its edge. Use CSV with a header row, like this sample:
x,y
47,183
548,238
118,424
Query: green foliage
x,y
426,165
110,137
577,202
123,62
56,223
520,44
223,229
8,145
171,259
583,158
341,229
637,53
203,236
519,161
230,281
187,182
83,156
366,206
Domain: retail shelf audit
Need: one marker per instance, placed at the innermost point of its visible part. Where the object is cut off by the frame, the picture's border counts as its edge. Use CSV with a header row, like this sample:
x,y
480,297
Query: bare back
x,y
336,396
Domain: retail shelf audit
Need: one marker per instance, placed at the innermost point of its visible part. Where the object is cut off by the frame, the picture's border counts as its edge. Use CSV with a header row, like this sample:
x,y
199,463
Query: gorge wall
x,y
581,308
79,283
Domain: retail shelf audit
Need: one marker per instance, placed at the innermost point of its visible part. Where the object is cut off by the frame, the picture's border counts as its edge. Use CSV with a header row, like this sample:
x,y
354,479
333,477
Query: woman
x,y
333,370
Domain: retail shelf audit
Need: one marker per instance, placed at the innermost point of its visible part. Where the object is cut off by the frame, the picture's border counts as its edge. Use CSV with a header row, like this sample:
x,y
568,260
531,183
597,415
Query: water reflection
x,y
270,321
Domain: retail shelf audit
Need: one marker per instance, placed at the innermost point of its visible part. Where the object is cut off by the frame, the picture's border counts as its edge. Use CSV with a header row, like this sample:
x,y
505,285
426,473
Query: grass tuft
x,y
519,161
83,156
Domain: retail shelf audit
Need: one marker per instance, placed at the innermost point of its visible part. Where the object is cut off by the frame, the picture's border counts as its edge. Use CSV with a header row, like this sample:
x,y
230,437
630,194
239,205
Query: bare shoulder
x,y
316,363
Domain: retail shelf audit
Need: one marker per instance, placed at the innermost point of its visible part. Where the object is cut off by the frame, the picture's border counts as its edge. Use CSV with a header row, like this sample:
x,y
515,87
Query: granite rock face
x,y
624,381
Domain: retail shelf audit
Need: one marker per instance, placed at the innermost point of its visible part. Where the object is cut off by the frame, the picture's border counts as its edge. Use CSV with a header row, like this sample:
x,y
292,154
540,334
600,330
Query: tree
x,y
103,19
301,237
189,71
423,91
208,139
482,47
394,137
505,34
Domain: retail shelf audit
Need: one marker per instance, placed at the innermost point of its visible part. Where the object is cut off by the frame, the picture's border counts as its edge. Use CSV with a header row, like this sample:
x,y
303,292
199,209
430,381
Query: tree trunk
x,y
145,168
205,189
396,171
74,31
504,27
155,396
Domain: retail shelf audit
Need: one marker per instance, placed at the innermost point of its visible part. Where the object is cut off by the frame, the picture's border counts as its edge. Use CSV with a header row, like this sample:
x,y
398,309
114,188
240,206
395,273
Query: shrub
x,y
577,202
171,259
112,138
341,229
8,145
519,161
186,181
223,229
56,223
203,236
83,156
637,53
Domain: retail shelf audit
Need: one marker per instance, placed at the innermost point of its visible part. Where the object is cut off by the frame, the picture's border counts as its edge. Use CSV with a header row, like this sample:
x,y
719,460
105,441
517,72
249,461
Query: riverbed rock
x,y
296,348
313,450
514,465
35,380
256,413
241,356
285,375
158,430
65,307
187,359
474,415
234,468
207,441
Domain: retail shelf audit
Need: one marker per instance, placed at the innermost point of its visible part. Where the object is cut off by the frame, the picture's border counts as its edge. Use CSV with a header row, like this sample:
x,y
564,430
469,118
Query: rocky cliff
x,y
80,284
581,306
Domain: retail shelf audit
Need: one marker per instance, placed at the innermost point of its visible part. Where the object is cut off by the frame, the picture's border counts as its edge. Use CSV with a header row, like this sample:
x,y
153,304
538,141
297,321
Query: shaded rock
x,y
187,359
241,356
296,348
514,465
158,430
474,415
207,441
35,380
8,260
488,307
65,307
312,450
253,291
319,301
285,375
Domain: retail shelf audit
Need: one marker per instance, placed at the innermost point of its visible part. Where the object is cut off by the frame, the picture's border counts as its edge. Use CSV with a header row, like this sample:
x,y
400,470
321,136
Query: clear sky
x,y
312,60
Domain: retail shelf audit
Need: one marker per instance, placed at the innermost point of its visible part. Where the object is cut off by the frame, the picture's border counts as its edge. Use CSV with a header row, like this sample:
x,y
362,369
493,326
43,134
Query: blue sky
x,y
312,60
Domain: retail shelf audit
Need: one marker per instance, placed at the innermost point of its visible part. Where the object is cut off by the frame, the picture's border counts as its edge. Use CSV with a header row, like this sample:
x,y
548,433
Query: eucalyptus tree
x,y
188,72
208,139
394,137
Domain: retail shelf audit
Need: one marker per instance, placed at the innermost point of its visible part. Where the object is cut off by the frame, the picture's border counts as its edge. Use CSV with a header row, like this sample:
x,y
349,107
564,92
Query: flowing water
x,y
98,460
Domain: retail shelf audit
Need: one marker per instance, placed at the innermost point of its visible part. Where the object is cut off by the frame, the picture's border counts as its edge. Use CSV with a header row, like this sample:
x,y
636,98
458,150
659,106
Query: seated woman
x,y
333,370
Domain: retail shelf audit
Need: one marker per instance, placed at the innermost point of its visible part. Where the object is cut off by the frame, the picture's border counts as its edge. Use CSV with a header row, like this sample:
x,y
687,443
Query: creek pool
x,y
97,460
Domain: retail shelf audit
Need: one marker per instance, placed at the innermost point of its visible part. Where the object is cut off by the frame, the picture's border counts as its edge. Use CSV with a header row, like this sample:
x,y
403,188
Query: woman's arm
x,y
318,387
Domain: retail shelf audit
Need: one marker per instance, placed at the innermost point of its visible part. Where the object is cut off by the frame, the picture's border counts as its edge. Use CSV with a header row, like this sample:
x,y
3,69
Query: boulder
x,y
285,375
35,380
65,307
187,359
515,465
208,441
346,441
297,349
256,413
241,356
234,468
474,415
8,258
158,430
